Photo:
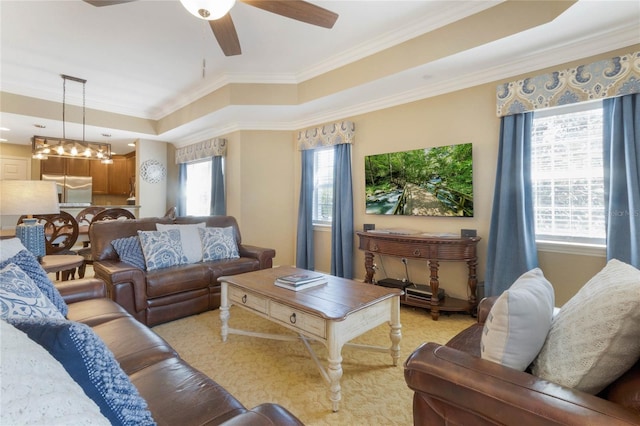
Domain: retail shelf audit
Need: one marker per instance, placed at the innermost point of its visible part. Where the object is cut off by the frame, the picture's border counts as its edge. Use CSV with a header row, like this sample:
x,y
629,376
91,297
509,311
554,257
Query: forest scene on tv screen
x,y
423,182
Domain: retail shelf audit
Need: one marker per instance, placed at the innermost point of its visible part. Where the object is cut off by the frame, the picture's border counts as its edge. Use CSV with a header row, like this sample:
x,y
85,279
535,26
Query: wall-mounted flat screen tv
x,y
434,181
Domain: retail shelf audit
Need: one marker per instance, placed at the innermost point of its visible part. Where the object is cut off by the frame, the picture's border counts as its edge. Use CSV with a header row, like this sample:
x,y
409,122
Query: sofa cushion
x,y
179,394
218,243
36,389
92,365
29,264
177,279
162,249
133,344
130,251
595,337
519,322
20,297
191,244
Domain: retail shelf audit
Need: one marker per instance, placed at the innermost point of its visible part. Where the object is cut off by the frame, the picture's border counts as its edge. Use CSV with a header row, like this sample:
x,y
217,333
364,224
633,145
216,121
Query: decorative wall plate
x,y
152,171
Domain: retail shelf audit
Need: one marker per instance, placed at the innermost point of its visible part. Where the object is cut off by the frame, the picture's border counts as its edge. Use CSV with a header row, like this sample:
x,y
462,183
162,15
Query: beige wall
x,y
260,179
152,197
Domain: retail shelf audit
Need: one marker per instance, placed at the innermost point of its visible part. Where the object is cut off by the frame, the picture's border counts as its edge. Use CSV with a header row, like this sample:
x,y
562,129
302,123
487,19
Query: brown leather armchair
x,y
454,386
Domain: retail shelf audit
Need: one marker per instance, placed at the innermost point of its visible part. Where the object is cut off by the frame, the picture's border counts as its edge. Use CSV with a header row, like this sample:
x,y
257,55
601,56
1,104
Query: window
x,y
323,186
198,188
567,174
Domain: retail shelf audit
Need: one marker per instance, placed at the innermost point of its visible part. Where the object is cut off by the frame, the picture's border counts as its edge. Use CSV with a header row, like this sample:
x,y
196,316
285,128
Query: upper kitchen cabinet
x,y
111,179
118,177
100,175
65,166
53,165
78,167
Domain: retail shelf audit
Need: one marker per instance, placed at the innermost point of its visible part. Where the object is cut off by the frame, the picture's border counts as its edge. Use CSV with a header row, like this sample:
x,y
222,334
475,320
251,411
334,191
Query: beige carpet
x,y
258,370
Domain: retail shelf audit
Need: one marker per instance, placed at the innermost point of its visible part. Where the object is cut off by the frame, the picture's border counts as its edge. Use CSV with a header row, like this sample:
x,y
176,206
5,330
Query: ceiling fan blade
x,y
100,3
226,34
297,9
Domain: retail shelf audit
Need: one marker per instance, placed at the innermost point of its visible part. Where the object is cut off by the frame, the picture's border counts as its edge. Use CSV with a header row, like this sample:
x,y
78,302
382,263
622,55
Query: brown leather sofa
x,y
175,392
162,295
454,386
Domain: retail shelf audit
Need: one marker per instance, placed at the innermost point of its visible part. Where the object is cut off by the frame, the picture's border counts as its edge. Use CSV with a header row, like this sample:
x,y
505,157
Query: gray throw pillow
x,y
130,251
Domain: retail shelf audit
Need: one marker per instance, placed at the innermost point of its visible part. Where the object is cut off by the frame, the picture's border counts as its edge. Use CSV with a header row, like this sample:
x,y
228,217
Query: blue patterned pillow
x,y
130,251
20,297
29,264
218,243
92,365
162,249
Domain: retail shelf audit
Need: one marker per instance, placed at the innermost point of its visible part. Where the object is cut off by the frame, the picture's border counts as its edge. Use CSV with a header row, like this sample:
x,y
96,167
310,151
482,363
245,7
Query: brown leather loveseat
x,y
175,392
166,294
454,386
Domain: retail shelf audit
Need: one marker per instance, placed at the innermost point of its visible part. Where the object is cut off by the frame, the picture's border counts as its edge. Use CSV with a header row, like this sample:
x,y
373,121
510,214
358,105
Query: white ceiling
x,y
145,59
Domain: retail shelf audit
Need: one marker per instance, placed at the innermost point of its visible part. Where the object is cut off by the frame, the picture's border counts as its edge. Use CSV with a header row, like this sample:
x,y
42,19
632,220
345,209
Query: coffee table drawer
x,y
248,299
298,319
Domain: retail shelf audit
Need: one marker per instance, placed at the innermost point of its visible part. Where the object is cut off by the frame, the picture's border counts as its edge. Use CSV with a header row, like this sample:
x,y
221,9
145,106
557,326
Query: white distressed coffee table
x,y
333,313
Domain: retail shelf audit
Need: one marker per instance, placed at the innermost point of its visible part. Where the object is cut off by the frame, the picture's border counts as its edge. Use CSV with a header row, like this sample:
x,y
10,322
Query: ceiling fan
x,y
216,12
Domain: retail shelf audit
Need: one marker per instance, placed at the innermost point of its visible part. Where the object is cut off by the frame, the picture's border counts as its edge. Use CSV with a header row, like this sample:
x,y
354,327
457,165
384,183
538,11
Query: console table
x,y
434,250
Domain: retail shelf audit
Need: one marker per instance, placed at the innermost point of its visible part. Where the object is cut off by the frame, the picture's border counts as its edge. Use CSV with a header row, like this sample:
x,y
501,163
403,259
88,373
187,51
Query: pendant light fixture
x,y
43,146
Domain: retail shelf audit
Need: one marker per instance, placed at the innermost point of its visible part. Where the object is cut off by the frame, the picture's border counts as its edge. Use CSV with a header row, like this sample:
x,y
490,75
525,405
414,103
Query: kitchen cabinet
x,y
65,166
131,174
111,179
77,167
118,177
100,175
53,165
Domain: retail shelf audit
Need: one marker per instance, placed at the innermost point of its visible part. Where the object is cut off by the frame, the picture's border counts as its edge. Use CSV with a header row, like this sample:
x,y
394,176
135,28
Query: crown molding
x,y
592,45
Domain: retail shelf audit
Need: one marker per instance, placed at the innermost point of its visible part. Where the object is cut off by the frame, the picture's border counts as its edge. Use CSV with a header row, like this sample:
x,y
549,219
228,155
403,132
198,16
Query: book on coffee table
x,y
301,278
300,281
299,287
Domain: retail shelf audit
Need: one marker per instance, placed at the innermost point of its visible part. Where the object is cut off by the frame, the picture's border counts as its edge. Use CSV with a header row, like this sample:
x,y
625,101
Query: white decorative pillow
x,y
519,321
191,246
10,247
36,389
596,335
21,297
218,243
162,249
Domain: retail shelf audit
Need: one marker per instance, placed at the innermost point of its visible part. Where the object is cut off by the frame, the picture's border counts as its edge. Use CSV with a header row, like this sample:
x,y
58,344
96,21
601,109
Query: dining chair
x,y
115,213
60,235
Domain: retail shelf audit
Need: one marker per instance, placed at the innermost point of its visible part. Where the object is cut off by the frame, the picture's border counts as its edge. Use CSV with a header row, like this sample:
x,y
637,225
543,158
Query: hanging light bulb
x,y
87,152
209,10
74,151
60,150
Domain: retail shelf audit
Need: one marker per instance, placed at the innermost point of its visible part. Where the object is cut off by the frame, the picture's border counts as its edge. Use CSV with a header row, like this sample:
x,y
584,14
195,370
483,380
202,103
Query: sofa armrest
x,y
265,415
82,289
453,387
484,307
264,255
126,285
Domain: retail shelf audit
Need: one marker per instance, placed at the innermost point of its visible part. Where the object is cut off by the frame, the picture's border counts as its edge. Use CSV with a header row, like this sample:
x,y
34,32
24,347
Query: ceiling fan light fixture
x,y
209,10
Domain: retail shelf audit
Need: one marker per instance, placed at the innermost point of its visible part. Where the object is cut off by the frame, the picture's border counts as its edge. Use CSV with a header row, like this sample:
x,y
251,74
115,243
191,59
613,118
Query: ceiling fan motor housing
x,y
208,9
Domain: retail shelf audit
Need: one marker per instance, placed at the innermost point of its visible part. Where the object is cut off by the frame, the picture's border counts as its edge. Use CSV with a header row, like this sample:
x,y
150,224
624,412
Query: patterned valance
x,y
603,79
198,151
327,135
